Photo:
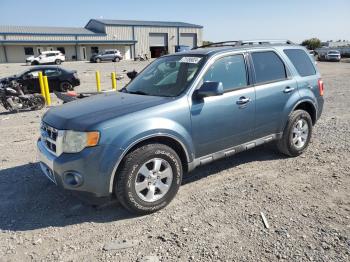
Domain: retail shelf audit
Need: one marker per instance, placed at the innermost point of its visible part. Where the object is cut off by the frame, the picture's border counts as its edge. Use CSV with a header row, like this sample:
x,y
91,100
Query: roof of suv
x,y
52,51
237,45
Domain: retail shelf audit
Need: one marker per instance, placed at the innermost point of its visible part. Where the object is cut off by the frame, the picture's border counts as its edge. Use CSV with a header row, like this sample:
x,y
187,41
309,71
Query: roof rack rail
x,y
247,42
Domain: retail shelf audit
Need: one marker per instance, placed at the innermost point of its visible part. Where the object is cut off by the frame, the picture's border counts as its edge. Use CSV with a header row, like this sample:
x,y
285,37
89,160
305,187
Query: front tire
x,y
98,60
149,178
58,61
39,102
297,134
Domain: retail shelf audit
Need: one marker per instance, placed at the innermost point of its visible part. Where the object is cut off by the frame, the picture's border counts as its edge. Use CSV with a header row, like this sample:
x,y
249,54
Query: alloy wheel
x,y
300,133
153,180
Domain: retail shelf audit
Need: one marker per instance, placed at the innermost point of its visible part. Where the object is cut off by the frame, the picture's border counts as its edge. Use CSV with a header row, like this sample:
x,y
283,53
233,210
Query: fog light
x,y
73,179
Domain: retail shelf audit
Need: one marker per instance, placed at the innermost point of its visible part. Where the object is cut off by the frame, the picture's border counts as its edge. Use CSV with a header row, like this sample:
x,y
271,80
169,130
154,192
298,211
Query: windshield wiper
x,y
123,90
138,93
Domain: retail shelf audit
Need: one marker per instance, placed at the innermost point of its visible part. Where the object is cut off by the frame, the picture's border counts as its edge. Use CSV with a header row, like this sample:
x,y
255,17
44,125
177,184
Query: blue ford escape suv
x,y
182,111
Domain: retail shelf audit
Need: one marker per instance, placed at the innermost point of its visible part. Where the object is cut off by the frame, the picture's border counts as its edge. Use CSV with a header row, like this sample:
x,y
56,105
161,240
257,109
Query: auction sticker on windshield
x,y
190,59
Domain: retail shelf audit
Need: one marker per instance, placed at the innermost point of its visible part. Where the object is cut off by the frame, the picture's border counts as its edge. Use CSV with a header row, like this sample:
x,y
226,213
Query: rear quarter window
x,y
301,61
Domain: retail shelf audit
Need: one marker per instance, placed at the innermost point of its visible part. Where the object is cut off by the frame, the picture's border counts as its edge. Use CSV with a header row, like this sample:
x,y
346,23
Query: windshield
x,y
166,76
333,52
22,73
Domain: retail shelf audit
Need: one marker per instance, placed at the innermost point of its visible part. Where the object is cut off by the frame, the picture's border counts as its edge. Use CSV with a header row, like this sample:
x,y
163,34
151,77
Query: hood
x,y
81,115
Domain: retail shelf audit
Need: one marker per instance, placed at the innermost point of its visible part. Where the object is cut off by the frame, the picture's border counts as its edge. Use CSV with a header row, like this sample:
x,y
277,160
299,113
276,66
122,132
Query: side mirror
x,y
131,74
210,89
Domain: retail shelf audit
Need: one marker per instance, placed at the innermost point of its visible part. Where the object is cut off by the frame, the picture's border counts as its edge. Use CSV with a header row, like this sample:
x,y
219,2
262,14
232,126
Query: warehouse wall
x,y
2,55
15,54
40,38
15,51
125,50
119,32
197,31
142,36
70,52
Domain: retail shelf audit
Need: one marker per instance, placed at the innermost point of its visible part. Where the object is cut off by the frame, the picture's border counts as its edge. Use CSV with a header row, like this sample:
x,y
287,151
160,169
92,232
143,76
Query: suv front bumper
x,y
79,171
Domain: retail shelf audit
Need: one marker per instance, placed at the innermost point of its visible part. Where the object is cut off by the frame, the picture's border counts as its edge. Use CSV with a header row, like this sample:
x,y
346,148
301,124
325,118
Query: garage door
x,y
157,39
188,39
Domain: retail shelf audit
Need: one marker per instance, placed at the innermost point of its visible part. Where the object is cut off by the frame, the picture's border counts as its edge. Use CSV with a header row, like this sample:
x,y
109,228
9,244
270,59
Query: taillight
x,y
320,86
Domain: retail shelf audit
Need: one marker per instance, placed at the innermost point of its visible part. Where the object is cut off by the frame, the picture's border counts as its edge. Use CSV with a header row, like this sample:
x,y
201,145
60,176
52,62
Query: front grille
x,y
52,138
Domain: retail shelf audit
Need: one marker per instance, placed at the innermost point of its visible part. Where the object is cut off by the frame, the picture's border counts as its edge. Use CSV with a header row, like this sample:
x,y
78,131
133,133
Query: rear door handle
x,y
243,100
288,89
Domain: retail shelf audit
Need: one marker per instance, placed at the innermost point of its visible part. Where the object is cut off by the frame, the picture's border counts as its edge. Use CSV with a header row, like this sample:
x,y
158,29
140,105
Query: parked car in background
x,y
182,111
47,57
59,79
312,54
182,48
107,55
331,55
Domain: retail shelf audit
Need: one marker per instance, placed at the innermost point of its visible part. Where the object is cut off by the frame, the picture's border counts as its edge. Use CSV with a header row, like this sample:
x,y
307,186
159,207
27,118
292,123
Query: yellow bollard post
x,y
41,84
98,81
47,91
114,81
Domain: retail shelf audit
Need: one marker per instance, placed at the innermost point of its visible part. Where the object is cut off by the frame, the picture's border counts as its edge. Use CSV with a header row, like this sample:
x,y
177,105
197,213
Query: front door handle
x,y
243,100
288,89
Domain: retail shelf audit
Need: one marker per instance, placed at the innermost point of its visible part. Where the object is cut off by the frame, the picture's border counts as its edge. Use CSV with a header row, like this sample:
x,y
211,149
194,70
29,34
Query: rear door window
x,y
301,61
268,67
52,72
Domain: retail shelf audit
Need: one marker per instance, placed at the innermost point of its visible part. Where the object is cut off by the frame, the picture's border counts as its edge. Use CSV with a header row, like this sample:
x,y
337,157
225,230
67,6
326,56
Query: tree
x,y
312,43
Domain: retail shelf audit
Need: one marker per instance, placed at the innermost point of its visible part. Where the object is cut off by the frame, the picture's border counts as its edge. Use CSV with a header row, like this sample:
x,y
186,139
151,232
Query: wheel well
x,y
308,107
170,142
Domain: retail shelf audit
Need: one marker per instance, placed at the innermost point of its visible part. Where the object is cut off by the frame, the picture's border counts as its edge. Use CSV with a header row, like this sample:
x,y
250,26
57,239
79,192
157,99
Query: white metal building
x,y
132,38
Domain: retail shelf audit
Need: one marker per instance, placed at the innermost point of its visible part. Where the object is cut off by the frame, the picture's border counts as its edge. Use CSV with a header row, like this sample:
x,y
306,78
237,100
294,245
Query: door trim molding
x,y
232,151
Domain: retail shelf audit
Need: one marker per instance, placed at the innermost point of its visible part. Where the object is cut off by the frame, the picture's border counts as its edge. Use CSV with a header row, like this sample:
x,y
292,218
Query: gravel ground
x,y
216,215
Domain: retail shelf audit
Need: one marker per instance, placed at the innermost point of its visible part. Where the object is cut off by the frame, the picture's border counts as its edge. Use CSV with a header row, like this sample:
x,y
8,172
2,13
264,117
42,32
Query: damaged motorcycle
x,y
13,99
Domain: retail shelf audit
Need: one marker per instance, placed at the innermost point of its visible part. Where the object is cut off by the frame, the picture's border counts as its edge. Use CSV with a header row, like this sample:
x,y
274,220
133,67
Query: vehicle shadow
x,y
28,200
259,154
5,113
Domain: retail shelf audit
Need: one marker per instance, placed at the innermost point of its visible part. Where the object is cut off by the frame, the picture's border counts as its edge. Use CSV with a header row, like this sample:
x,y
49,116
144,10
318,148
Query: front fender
x,y
153,127
135,132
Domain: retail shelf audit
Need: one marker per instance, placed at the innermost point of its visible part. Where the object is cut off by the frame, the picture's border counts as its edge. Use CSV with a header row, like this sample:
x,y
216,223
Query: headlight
x,y
74,141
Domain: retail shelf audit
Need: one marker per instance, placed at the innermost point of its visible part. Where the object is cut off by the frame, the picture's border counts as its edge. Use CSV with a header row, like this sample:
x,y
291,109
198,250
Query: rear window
x,y
268,67
301,61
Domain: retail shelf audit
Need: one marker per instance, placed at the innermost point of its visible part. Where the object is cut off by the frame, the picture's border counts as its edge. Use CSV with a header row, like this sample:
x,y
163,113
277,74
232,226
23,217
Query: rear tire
x,y
35,63
148,179
66,86
296,135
